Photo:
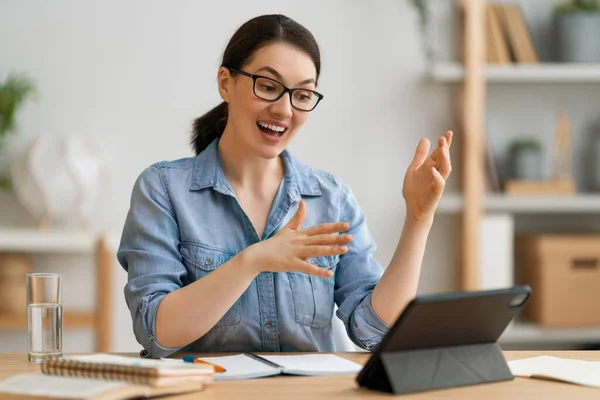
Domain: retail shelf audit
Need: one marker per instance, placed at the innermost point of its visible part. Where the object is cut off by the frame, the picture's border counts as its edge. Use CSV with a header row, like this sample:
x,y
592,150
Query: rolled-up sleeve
x,y
149,252
356,276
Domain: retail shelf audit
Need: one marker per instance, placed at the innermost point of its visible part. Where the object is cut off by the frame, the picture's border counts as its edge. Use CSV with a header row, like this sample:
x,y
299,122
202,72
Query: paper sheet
x,y
580,372
56,386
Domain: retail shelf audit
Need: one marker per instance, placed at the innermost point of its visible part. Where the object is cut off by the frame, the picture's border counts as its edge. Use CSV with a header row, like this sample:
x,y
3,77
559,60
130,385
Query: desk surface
x,y
313,388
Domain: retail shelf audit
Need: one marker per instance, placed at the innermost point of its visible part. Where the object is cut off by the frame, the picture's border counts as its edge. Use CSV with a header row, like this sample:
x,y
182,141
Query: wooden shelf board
x,y
70,320
581,203
451,72
528,332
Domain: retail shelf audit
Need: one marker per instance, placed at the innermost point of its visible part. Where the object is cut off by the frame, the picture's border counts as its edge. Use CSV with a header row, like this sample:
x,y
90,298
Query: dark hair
x,y
250,37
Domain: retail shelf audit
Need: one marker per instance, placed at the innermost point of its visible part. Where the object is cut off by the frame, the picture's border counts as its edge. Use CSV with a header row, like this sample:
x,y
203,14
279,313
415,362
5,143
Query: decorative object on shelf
x,y
13,268
527,159
425,29
578,24
561,181
14,91
58,180
593,154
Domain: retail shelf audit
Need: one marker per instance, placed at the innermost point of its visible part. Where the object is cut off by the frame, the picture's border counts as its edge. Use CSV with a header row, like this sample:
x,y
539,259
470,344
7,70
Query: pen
x,y
192,359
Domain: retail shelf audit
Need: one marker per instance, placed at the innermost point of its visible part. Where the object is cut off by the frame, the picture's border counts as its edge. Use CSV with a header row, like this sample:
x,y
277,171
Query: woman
x,y
243,248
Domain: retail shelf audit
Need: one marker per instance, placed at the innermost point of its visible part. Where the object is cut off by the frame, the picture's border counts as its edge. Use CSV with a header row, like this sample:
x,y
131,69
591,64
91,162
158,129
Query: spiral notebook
x,y
106,377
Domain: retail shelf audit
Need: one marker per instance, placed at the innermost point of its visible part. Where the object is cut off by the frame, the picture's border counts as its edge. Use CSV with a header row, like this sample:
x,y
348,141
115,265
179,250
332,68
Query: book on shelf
x,y
106,377
492,178
508,36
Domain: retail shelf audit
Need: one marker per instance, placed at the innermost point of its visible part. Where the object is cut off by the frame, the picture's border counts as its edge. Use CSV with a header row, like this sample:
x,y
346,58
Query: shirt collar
x,y
299,179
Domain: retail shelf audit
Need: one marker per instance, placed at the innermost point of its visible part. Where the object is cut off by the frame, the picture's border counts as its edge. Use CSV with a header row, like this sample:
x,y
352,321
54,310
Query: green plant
x,y
526,144
424,19
14,91
579,6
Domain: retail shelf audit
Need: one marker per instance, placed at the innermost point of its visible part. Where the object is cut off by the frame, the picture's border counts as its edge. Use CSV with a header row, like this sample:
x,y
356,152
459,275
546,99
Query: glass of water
x,y
44,316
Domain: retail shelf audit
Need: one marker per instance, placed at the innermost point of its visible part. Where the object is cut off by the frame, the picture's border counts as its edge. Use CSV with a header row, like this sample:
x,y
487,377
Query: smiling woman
x,y
243,248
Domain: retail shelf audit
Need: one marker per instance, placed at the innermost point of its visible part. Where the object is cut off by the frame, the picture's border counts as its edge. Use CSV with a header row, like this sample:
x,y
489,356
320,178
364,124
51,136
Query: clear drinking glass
x,y
44,316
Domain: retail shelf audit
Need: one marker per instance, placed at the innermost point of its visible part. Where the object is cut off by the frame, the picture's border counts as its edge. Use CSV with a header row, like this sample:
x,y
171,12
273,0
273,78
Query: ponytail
x,y
209,127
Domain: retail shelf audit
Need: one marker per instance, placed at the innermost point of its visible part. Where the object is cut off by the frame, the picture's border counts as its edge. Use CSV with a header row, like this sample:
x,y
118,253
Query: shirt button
x,y
269,324
208,261
316,264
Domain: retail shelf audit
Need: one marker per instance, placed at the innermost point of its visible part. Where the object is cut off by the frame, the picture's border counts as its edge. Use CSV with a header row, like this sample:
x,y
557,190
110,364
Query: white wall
x,y
134,74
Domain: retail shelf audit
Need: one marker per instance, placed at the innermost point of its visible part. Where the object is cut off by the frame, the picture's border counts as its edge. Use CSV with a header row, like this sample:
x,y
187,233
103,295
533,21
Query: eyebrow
x,y
278,75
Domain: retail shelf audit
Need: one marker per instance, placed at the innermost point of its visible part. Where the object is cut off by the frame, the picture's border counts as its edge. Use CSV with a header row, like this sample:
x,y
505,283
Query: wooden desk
x,y
345,387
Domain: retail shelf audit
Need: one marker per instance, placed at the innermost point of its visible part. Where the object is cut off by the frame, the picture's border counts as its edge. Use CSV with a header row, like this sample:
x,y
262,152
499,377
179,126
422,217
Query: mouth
x,y
275,131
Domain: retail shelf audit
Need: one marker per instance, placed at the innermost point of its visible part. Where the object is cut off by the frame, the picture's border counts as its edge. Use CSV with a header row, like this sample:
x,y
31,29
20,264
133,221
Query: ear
x,y
224,81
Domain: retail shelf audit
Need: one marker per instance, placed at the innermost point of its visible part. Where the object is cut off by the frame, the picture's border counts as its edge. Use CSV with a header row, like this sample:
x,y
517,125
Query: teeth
x,y
272,127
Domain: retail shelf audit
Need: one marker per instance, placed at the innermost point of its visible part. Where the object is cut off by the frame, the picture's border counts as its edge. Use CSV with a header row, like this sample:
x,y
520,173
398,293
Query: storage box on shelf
x,y
101,246
564,273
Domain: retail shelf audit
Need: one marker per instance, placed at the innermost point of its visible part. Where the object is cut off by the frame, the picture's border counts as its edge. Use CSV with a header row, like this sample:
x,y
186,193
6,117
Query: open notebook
x,y
249,365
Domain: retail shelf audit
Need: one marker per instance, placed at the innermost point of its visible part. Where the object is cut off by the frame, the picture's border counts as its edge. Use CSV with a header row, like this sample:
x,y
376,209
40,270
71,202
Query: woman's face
x,y
252,119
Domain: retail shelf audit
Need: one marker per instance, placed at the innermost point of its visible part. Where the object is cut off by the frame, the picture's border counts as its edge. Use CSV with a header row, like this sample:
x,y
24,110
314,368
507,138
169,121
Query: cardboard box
x,y
564,274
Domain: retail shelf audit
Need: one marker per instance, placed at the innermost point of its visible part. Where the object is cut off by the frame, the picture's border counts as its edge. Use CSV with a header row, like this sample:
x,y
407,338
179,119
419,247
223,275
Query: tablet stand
x,y
418,370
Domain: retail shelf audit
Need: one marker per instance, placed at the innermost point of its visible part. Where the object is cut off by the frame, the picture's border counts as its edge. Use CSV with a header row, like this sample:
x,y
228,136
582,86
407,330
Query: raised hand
x,y
425,179
289,249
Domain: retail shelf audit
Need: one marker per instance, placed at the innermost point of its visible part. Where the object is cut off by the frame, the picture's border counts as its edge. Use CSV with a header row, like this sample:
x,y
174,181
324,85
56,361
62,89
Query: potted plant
x,y
527,159
14,91
578,24
424,27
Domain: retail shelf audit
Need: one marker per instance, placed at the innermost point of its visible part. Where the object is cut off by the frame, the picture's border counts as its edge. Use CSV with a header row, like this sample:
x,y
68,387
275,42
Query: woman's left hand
x,y
425,179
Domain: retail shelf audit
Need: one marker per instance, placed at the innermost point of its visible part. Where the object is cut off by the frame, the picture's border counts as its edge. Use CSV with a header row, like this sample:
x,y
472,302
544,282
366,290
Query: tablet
x,y
448,320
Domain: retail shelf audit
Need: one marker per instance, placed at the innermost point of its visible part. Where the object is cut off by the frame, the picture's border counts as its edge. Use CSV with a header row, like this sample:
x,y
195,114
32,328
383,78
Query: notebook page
x,y
57,386
240,367
315,364
580,372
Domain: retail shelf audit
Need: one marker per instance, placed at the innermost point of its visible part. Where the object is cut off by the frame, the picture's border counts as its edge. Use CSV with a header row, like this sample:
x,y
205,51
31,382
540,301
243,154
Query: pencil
x,y
192,359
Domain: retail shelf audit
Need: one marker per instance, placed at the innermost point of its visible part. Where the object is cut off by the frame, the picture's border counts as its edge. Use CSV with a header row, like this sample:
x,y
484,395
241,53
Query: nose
x,y
282,107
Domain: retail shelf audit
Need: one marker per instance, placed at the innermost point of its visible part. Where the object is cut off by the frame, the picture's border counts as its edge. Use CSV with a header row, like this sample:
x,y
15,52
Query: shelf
x,y
70,320
527,332
47,240
545,72
581,203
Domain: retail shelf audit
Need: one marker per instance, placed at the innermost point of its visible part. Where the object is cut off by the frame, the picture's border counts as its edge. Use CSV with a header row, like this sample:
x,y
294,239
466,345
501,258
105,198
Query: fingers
x,y
448,136
443,164
327,239
322,251
298,218
421,153
438,182
310,269
328,228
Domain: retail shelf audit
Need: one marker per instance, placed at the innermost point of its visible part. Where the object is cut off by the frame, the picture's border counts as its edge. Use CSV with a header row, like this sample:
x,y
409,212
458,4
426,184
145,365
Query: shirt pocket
x,y
313,296
200,261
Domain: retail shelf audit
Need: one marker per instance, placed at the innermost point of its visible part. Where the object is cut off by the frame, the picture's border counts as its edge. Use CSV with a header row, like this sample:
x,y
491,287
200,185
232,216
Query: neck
x,y
244,169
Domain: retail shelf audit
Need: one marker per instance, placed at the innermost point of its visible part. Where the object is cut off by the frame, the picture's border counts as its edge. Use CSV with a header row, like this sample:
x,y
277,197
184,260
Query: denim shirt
x,y
184,222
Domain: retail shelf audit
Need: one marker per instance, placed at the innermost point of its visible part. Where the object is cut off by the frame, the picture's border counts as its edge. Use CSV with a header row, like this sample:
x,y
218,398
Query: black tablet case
x,y
445,341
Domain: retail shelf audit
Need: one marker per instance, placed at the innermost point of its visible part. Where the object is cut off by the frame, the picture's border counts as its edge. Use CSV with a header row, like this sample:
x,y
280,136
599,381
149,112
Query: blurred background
x,y
98,91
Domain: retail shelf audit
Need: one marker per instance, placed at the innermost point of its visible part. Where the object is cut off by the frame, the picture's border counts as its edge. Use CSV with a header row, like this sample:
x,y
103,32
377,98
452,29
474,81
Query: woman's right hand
x,y
288,250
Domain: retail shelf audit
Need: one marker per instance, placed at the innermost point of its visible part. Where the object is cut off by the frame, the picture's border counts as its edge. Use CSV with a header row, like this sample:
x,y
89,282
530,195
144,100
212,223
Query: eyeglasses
x,y
271,90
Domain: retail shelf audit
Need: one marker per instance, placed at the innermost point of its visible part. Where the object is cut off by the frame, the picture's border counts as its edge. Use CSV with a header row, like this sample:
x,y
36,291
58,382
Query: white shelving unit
x,y
53,241
526,332
516,73
578,204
